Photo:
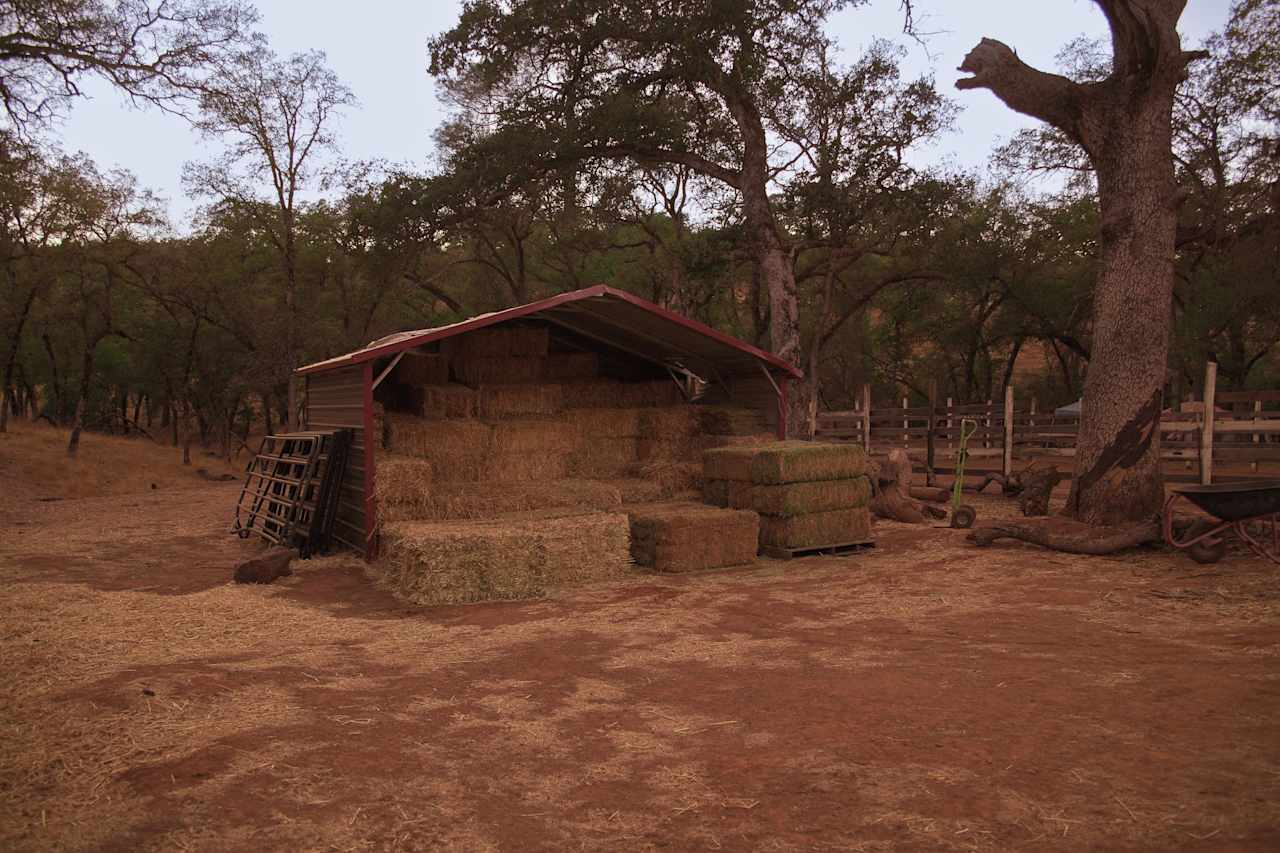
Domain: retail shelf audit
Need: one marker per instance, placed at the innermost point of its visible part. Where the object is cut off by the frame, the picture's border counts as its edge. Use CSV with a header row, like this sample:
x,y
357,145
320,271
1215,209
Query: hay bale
x,y
741,495
504,341
731,420
805,461
593,394
671,477
682,537
669,423
730,463
817,529
486,500
570,366
528,341
379,437
659,392
635,490
448,401
802,498
457,562
740,440
402,479
603,457
534,436
498,370
615,422
415,436
687,449
715,492
422,368
596,393
513,401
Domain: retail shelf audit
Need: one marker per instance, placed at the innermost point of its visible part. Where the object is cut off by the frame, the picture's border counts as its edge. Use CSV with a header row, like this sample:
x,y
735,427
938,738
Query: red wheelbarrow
x,y
1248,510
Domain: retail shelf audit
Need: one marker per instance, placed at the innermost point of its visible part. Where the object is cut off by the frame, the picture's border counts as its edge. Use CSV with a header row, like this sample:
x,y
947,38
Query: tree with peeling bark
x,y
1124,125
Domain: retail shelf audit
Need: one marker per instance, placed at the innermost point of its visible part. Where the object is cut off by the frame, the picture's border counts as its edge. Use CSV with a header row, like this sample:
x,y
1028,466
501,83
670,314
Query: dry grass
x,y
450,563
670,476
816,529
35,455
682,537
611,393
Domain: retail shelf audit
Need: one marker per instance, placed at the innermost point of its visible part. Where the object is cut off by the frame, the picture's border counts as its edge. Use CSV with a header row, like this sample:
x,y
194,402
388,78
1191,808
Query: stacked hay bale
x,y
459,562
809,495
684,537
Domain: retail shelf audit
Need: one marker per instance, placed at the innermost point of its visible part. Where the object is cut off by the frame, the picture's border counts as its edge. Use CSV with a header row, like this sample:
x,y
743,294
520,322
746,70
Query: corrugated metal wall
x,y
335,399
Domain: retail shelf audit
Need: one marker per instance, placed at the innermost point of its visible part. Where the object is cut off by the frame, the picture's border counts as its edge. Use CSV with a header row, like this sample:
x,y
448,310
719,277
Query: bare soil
x,y
924,695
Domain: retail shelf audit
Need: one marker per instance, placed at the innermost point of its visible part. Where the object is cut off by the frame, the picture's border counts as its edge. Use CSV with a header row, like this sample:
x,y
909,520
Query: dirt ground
x,y
924,695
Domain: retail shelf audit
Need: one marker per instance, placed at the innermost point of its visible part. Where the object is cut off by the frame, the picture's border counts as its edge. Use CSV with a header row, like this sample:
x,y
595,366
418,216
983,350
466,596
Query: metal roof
x,y
608,316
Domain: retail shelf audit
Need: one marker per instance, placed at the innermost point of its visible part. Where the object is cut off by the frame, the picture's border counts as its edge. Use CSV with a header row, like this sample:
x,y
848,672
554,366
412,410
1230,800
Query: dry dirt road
x,y
926,696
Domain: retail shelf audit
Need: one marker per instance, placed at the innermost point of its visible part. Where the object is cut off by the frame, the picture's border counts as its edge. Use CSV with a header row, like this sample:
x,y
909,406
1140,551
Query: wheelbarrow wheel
x,y
963,517
1209,550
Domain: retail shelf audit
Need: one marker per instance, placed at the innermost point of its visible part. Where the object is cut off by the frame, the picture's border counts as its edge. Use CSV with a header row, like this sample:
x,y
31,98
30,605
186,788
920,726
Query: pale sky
x,y
378,48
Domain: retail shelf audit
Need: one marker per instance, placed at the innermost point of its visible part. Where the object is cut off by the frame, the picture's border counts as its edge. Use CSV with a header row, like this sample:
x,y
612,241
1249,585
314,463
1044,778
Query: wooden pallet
x,y
290,491
842,549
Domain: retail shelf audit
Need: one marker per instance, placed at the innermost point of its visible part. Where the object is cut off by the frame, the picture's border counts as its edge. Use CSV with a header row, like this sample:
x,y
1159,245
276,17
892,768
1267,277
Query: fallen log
x,y
925,493
1071,537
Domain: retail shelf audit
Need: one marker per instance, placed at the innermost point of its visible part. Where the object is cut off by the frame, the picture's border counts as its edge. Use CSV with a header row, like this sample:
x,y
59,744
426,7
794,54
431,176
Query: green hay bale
x,y
803,498
688,537
432,563
816,530
805,461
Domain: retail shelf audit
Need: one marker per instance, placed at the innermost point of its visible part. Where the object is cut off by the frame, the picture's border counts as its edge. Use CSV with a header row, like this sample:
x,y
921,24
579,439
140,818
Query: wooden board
x,y
778,553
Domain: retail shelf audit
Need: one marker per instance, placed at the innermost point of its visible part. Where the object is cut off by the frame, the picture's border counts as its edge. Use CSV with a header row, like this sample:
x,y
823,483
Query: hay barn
x,y
586,400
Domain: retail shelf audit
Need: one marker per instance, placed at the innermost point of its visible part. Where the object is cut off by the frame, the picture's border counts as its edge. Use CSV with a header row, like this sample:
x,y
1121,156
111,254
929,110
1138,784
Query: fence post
x,y
929,477
866,418
1206,425
1007,467
986,426
1257,414
950,439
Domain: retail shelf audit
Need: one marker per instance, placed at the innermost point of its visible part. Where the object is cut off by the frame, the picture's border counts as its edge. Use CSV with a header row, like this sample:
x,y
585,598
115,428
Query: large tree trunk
x,y
1117,467
11,357
1124,124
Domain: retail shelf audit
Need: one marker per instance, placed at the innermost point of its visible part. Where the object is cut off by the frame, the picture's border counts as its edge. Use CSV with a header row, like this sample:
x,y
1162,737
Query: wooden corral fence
x,y
1236,431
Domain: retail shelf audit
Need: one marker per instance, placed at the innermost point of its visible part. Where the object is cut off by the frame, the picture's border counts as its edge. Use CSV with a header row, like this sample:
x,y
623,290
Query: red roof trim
x,y
544,305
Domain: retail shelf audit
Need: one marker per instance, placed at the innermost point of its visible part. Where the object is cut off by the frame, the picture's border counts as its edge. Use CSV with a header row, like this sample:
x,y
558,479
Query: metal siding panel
x,y
335,400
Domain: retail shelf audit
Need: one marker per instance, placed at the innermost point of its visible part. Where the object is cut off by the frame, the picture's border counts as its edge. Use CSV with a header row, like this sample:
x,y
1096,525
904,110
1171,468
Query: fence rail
x,y
1241,427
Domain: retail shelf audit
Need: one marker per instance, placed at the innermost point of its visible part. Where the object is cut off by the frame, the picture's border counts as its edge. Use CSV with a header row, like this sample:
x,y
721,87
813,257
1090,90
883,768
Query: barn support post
x,y
866,418
1206,425
1007,465
782,405
370,504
